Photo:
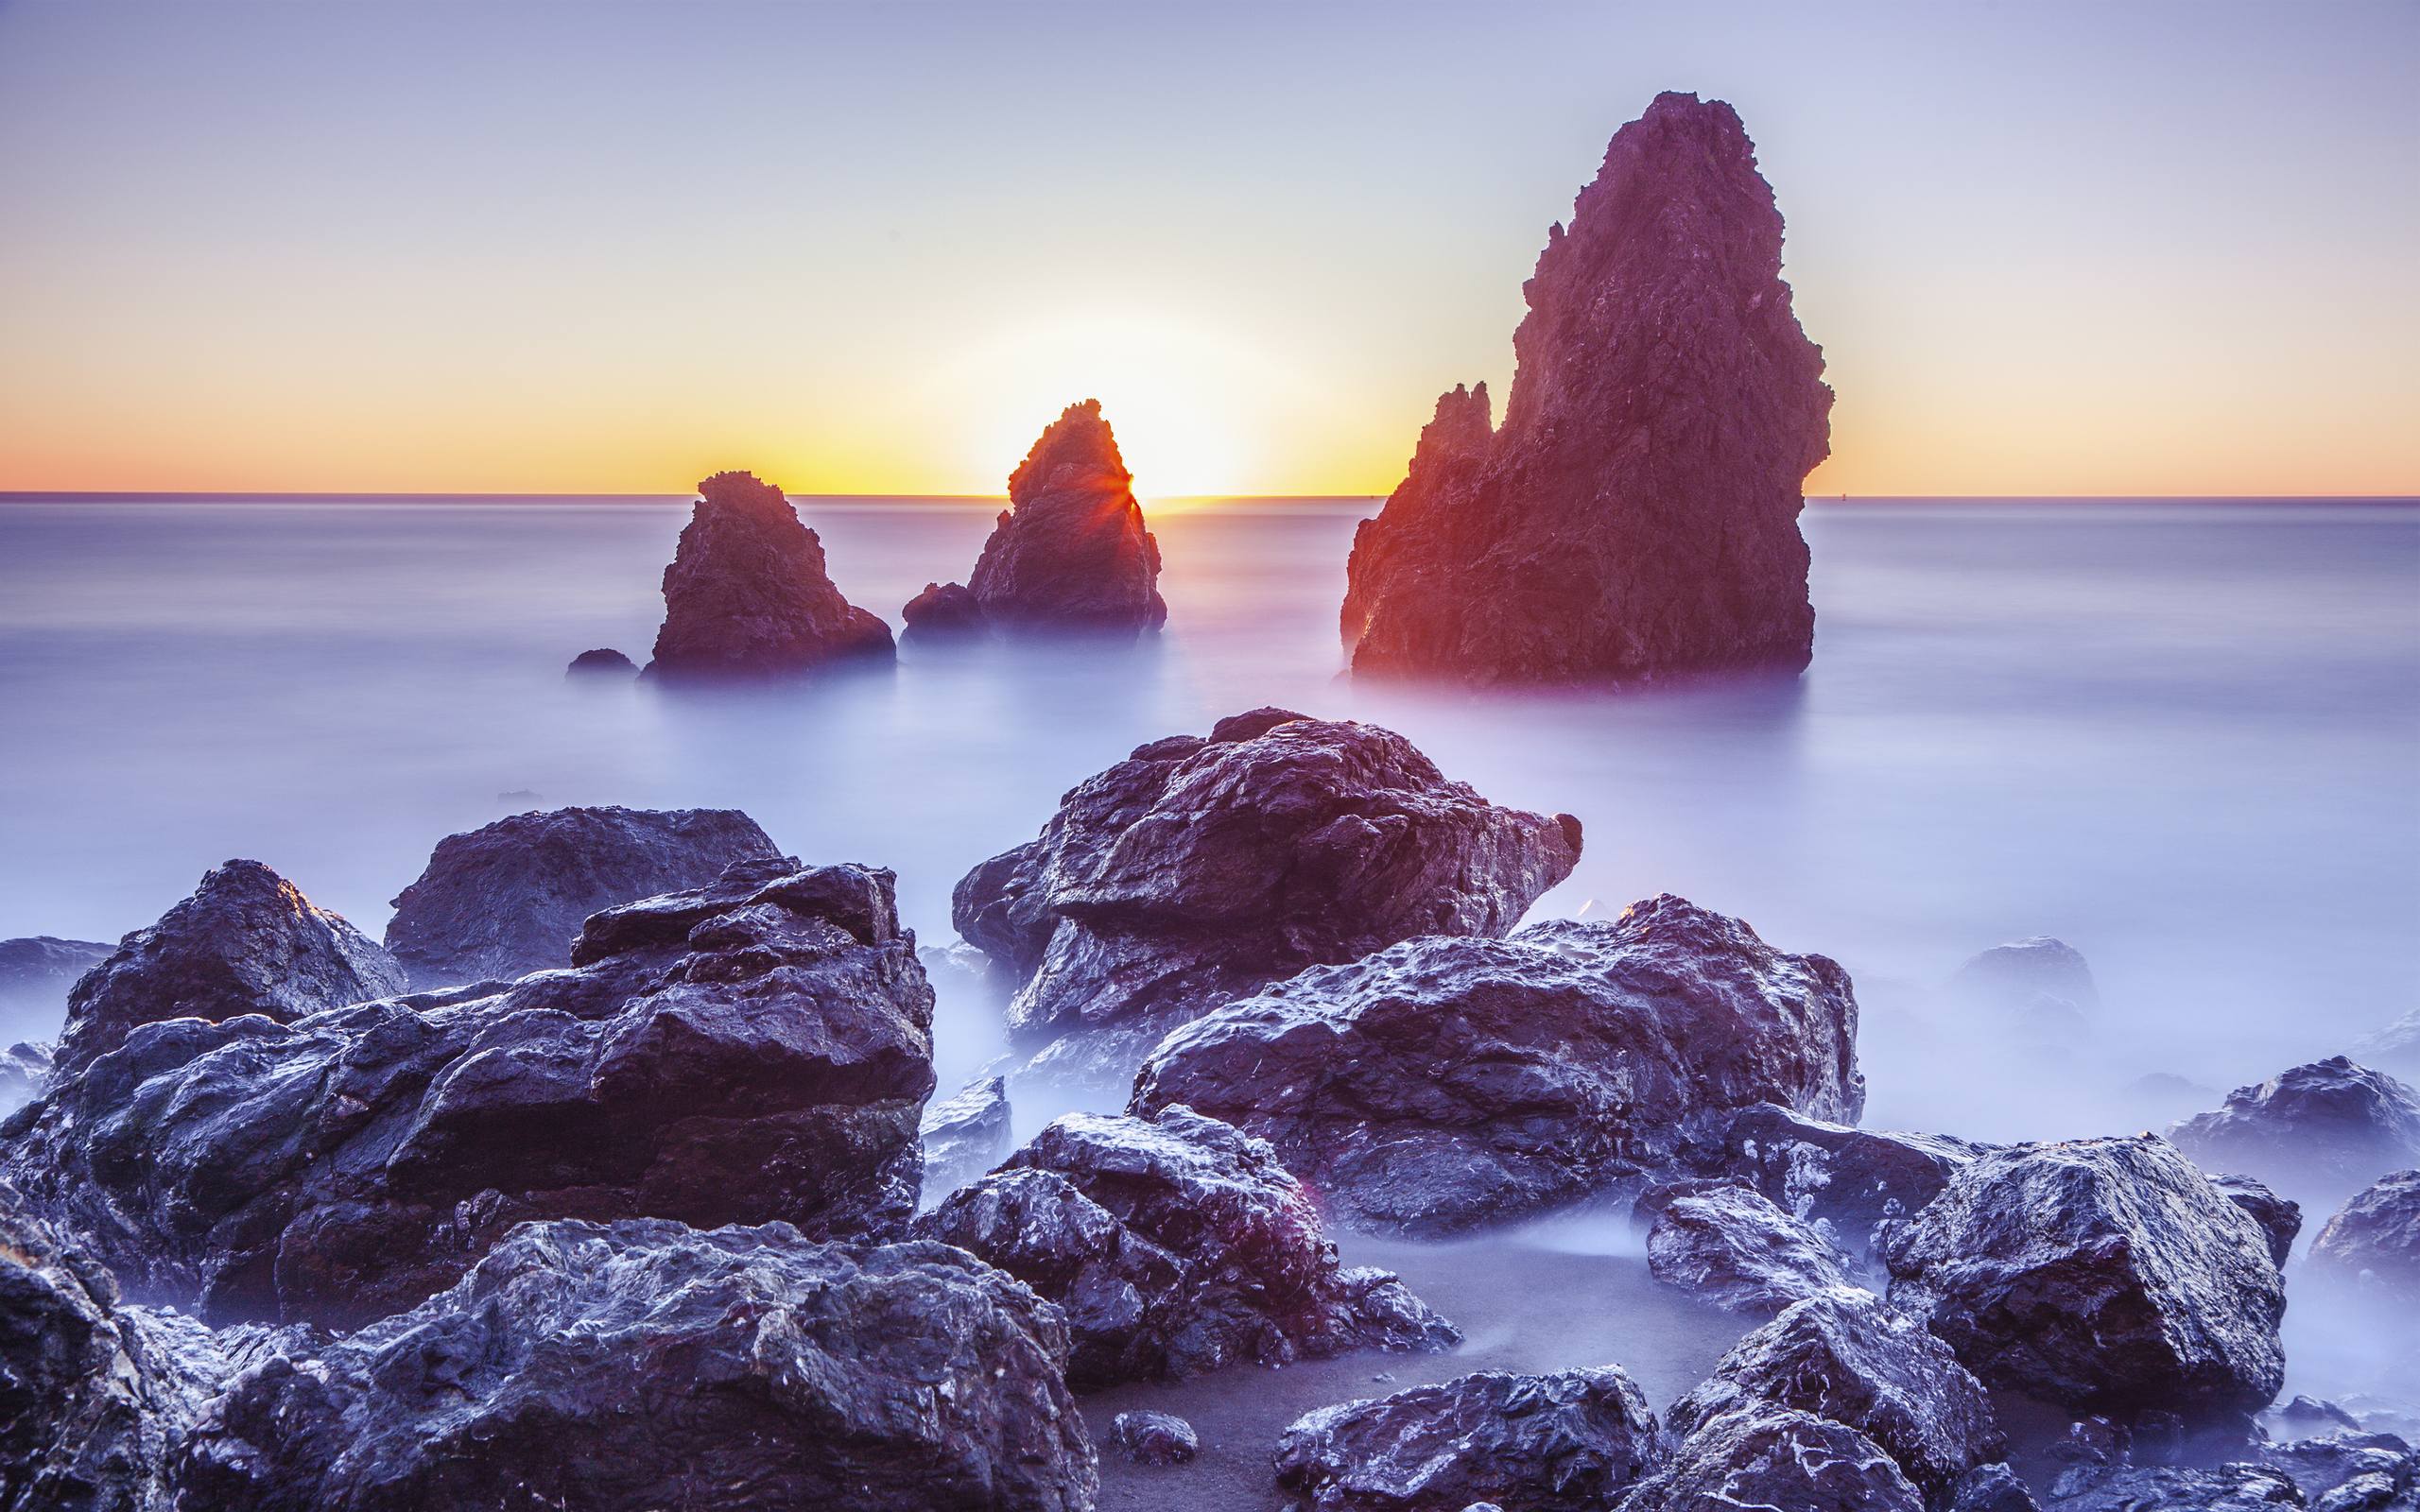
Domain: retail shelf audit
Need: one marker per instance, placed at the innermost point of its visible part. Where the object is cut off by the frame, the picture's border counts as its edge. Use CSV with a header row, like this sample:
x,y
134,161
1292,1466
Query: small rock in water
x,y
943,611
604,663
1731,1247
747,593
1154,1437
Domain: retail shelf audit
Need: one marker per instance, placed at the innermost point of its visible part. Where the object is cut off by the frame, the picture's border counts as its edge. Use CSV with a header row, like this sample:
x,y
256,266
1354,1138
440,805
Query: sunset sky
x,y
2101,249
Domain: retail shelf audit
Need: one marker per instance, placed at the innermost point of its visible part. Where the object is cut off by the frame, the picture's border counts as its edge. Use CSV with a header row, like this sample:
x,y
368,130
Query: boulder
x,y
2372,1246
245,943
1446,1083
1736,1249
2319,1132
1844,1356
2233,1488
747,593
1993,1489
941,611
505,900
2279,1219
2102,1275
1543,1443
1762,1455
1199,870
604,663
1176,1244
1637,514
754,1050
25,1070
1154,1437
2350,1471
1849,1178
964,1136
644,1365
1070,551
36,973
2038,978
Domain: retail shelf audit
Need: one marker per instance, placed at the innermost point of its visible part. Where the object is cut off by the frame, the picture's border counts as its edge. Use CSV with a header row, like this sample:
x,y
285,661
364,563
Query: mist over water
x,y
2180,737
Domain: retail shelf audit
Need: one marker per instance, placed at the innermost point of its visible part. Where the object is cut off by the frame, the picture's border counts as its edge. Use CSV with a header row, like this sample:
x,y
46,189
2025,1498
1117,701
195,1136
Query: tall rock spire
x,y
747,593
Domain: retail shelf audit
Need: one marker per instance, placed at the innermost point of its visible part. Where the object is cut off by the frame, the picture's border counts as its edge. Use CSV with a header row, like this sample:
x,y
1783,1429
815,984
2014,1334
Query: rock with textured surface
x,y
644,1365
755,1050
24,1071
2373,1243
964,1135
1199,870
1731,1247
1850,1178
2278,1219
2236,1487
2350,1471
2104,1275
1525,1443
1154,1437
1637,514
1762,1455
747,593
499,903
1070,551
604,663
246,942
2318,1133
36,973
1844,1356
1176,1244
1442,1084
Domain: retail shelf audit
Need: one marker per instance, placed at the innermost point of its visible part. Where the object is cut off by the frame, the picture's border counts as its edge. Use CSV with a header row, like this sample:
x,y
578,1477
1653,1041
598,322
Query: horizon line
x,y
24,495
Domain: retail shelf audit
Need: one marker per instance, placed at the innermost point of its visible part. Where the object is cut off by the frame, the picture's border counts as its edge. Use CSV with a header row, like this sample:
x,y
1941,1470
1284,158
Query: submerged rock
x,y
246,942
1199,870
2321,1131
36,973
1442,1084
747,593
2373,1244
1638,514
1154,1437
755,1049
1542,1443
1844,1356
1070,551
603,662
1762,1455
2103,1275
1733,1248
507,900
643,1364
2279,1219
1849,1178
1176,1244
964,1136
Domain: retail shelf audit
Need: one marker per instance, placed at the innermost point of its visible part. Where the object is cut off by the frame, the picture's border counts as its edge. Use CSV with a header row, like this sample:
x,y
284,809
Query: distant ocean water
x,y
2183,738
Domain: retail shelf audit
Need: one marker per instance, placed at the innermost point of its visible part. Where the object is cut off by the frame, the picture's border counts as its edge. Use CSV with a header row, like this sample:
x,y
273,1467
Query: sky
x,y
2107,248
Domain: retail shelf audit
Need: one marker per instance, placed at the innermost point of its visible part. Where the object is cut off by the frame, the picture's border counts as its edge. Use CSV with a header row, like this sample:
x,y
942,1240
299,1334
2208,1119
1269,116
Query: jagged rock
x,y
644,1365
25,1070
755,1049
1197,872
1762,1455
1542,1443
2106,1275
1844,1356
36,973
1444,1083
2279,1219
603,662
1070,550
2350,1471
1154,1437
1850,1178
964,1136
2236,1487
2395,1049
1638,514
246,942
2373,1244
1993,1489
1733,1248
747,594
1176,1244
507,900
2321,1131
942,610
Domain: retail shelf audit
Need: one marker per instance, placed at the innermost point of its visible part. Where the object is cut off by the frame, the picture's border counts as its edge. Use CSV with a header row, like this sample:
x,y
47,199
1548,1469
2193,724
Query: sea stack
x,y
747,594
1070,551
1637,514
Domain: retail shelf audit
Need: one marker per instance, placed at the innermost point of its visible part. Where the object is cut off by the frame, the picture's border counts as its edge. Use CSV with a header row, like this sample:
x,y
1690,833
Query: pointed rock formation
x,y
1638,514
1070,552
747,594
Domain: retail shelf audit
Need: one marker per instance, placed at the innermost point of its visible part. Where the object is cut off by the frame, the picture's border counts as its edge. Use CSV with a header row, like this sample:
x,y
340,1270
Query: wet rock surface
x,y
246,942
1154,1437
2372,1245
1199,870
2234,1488
754,1050
964,1135
644,1365
1730,1246
2319,1132
1176,1244
1844,1356
1525,1443
1446,1083
1070,551
37,971
2350,1471
1759,1454
1637,512
2106,1275
506,900
747,593
1849,1178
2280,1220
